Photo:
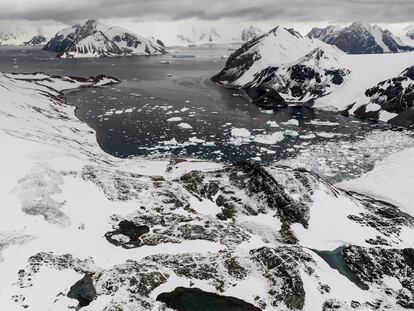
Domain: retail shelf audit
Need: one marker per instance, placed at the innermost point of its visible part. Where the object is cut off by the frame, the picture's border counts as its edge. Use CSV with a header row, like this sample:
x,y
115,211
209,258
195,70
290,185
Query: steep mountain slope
x,y
277,47
94,39
360,38
84,230
324,34
410,34
300,82
36,40
391,100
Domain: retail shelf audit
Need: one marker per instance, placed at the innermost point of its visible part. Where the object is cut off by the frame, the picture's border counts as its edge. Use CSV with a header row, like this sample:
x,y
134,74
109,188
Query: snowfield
x,y
131,228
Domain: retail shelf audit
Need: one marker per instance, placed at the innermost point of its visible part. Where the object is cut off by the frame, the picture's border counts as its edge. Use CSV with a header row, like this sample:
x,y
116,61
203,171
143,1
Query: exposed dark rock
x,y
394,95
282,268
190,299
372,265
83,291
36,40
127,229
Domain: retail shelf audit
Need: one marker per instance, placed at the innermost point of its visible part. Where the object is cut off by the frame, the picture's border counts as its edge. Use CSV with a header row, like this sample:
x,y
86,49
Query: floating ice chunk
x,y
291,133
267,111
292,122
240,132
272,123
326,134
174,119
184,109
307,136
269,139
185,126
196,140
172,142
325,123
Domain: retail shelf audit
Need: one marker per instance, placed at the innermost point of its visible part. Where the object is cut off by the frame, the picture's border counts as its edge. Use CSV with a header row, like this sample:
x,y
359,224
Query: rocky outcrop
x,y
390,101
360,38
36,40
311,77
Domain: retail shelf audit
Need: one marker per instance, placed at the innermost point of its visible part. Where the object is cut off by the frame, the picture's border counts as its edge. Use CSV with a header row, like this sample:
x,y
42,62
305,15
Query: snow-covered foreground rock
x,y
94,39
81,229
391,100
283,68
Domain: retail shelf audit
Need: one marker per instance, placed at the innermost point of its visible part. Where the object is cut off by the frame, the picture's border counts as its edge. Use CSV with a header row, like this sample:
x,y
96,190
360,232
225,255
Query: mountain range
x,y
95,39
211,35
283,68
360,38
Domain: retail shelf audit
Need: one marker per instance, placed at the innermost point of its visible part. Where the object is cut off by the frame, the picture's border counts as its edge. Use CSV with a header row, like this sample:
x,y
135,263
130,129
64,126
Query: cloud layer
x,y
336,11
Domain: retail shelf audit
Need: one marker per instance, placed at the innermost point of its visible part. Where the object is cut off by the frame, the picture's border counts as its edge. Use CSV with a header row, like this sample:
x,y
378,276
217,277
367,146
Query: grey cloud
x,y
381,11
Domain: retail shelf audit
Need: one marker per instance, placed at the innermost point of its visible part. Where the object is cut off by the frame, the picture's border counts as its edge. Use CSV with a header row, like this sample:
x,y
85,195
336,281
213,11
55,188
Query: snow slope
x,y
132,228
391,180
278,46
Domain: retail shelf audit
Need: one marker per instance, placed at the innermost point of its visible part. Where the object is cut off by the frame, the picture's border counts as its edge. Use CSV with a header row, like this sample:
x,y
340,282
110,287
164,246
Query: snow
x,y
240,132
391,180
366,72
269,139
272,123
174,119
52,148
280,47
185,126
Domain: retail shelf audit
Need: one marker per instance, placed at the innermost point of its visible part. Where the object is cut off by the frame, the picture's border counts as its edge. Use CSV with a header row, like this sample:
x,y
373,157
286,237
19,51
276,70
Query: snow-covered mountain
x,y
324,34
84,230
36,40
360,38
283,68
211,35
94,39
391,100
250,33
410,34
15,36
299,82
273,49
201,37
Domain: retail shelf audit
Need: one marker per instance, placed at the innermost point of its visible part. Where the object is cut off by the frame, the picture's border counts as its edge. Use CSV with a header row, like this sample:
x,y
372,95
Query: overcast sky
x,y
340,11
164,17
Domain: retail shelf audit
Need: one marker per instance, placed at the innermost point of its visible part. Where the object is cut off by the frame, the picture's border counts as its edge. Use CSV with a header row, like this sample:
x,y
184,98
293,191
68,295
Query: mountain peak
x,y
360,38
95,39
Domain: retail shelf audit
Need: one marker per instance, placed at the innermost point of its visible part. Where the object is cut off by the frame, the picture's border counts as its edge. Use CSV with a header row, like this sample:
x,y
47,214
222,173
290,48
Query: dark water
x,y
131,119
336,261
194,299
